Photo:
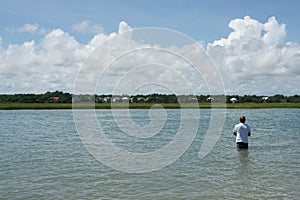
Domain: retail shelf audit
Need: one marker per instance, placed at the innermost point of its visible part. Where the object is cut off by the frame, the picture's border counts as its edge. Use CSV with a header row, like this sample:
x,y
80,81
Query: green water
x,y
42,157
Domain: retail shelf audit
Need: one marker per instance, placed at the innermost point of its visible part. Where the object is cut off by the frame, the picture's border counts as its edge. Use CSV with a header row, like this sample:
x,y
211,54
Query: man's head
x,y
242,119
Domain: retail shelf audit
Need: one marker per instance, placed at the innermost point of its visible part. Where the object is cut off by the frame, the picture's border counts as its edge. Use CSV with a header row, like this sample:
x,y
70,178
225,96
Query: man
x,y
241,132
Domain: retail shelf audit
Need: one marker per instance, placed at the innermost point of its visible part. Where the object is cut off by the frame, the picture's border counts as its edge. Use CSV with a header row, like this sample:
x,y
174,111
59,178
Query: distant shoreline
x,y
48,106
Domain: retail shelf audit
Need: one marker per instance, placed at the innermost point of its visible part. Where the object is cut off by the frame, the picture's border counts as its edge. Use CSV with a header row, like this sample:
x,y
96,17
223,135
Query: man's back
x,y
242,130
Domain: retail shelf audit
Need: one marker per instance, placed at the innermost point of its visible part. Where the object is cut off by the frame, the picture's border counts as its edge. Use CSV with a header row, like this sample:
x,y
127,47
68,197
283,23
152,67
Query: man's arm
x,y
234,131
249,132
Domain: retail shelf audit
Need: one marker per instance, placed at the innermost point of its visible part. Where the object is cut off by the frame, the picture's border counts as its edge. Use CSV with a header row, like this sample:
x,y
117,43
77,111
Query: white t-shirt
x,y
241,131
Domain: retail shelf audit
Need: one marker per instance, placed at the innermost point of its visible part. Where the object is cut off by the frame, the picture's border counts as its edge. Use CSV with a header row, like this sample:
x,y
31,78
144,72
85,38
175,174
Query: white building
x,y
233,100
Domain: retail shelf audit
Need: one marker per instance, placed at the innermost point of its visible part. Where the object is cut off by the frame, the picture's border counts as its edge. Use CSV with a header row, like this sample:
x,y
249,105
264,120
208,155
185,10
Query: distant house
x,y
99,100
75,100
55,98
265,99
116,99
233,100
107,100
192,100
125,99
209,99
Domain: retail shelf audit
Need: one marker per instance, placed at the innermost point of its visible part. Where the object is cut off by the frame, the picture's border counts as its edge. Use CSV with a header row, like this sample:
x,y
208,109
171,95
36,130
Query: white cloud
x,y
123,27
243,30
275,32
252,59
48,65
86,27
29,28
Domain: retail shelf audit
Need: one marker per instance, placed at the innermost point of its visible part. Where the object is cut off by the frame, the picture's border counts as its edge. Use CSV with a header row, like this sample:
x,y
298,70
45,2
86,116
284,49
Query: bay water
x,y
42,157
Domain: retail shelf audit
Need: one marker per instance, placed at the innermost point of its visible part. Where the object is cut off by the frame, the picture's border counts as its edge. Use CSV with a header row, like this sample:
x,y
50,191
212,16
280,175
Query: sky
x,y
253,45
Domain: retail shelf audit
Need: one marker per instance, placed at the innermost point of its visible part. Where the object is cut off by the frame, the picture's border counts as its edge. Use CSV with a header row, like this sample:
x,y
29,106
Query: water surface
x,y
42,157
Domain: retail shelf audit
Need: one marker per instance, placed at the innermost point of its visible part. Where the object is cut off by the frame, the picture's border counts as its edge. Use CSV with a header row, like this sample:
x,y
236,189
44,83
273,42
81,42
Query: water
x,y
42,157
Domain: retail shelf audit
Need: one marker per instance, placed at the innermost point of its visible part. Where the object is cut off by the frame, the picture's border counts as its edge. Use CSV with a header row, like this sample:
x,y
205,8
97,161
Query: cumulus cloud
x,y
49,64
254,56
36,67
274,32
86,27
252,59
123,27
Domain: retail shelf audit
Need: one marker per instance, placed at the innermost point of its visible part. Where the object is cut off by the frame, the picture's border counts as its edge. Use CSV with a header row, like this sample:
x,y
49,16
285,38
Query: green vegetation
x,y
60,100
61,97
48,97
32,106
263,105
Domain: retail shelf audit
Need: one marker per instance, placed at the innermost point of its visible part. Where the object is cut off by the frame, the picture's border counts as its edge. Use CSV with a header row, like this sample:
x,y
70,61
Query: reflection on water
x,y
243,165
242,154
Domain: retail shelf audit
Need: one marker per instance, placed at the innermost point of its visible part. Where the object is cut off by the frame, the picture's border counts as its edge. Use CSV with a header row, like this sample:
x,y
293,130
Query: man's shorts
x,y
242,145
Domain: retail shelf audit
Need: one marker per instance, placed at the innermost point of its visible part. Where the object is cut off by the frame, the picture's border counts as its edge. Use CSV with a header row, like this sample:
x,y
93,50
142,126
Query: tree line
x,y
48,97
61,97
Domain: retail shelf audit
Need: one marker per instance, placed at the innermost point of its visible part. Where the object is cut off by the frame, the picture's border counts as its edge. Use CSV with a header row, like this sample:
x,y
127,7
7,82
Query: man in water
x,y
241,131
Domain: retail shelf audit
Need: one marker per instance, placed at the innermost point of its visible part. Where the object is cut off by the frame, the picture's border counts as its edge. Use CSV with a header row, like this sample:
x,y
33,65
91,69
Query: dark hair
x,y
242,119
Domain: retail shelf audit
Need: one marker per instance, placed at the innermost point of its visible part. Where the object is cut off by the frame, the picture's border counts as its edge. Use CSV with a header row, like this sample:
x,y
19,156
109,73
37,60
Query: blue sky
x,y
254,43
202,20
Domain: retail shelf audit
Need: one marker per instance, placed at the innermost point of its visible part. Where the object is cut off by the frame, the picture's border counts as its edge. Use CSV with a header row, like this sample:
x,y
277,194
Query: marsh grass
x,y
34,106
